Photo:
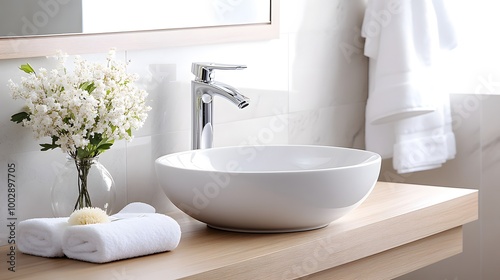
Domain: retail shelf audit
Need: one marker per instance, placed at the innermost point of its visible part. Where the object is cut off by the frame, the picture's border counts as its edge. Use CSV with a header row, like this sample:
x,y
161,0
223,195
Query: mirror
x,y
40,27
50,17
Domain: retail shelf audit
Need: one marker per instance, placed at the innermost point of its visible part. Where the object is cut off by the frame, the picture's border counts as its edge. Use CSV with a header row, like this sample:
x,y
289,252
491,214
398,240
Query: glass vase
x,y
82,182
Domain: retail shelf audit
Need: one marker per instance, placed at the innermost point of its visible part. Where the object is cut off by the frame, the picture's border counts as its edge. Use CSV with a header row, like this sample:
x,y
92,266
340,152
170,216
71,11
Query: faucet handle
x,y
203,70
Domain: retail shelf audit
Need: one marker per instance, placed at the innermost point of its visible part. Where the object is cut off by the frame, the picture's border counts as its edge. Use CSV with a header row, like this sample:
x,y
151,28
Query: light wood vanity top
x,y
398,229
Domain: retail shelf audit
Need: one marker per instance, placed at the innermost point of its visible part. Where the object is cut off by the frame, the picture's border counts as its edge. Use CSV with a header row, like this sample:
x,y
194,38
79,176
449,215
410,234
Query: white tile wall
x,y
307,87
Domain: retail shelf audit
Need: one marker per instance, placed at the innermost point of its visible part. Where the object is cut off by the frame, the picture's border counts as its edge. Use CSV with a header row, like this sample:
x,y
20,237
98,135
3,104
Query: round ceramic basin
x,y
268,188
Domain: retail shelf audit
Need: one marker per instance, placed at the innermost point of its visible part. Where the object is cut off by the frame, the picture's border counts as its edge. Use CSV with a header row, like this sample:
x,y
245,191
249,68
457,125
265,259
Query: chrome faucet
x,y
203,90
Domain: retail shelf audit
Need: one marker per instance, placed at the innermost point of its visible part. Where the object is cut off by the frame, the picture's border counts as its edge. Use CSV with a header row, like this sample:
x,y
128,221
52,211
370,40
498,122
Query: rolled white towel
x,y
121,239
42,236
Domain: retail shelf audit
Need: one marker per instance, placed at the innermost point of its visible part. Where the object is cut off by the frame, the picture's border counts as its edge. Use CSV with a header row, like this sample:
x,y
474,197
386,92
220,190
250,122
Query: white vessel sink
x,y
268,188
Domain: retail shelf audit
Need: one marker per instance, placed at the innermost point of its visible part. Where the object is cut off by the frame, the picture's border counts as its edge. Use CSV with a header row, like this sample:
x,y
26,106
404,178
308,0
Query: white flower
x,y
95,103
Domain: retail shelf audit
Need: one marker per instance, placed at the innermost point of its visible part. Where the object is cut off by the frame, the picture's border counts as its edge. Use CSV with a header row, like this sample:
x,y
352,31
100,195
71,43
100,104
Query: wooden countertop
x,y
398,229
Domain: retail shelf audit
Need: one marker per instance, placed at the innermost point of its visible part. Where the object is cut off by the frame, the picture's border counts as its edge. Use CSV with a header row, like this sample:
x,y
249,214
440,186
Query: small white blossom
x,y
73,108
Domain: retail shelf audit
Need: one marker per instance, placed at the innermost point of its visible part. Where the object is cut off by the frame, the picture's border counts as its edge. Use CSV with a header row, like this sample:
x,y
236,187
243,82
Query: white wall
x,y
312,79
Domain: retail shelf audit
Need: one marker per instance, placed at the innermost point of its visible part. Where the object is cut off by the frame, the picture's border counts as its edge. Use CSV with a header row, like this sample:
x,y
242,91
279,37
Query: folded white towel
x,y
133,209
42,237
137,207
132,237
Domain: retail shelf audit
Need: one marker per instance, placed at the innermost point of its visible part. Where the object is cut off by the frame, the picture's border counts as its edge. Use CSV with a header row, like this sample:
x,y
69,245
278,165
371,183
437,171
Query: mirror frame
x,y
19,47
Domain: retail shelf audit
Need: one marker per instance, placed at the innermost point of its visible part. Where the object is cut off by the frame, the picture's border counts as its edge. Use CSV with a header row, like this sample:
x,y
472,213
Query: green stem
x,y
83,166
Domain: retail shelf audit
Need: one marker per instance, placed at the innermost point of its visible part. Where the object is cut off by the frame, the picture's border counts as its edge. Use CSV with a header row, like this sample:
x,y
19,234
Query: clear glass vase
x,y
82,183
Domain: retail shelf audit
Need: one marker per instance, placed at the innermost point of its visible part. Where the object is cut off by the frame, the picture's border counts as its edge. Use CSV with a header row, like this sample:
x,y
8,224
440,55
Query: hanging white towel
x,y
424,142
408,111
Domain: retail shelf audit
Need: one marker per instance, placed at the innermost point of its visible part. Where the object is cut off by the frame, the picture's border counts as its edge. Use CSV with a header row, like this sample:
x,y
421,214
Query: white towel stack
x,y
134,231
408,109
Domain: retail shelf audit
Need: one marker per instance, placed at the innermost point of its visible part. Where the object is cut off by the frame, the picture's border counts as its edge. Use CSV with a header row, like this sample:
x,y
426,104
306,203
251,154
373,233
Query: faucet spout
x,y
203,92
228,92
